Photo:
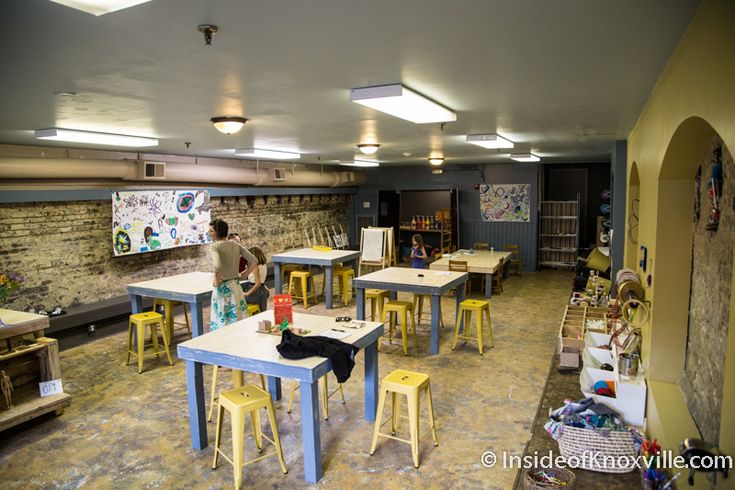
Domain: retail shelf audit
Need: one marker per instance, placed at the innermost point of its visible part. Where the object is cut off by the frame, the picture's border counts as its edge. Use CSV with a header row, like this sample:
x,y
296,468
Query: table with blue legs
x,y
194,288
309,256
419,281
478,262
240,346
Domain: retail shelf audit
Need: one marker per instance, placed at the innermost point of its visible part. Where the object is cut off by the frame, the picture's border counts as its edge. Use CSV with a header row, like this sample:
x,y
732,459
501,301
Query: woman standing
x,y
228,302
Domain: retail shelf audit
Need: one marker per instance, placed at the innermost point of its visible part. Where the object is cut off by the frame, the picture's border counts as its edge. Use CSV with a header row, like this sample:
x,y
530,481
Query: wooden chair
x,y
460,266
498,278
515,257
481,246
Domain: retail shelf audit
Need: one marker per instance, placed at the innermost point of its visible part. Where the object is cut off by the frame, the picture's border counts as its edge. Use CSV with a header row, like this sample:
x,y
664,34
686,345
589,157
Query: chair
x,y
481,246
344,275
497,279
405,309
138,322
304,277
460,266
287,269
411,384
515,258
466,309
379,296
168,315
326,395
248,399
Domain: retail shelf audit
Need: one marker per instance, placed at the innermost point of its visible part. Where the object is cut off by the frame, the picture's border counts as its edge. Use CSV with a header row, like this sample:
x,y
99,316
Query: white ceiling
x,y
561,78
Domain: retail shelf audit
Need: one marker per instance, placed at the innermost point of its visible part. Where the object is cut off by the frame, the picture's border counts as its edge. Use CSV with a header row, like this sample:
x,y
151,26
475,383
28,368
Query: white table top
x,y
189,283
13,317
240,339
311,254
481,261
404,276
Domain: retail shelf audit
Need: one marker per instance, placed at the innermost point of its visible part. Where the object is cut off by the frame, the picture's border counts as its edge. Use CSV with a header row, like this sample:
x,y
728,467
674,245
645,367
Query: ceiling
x,y
562,78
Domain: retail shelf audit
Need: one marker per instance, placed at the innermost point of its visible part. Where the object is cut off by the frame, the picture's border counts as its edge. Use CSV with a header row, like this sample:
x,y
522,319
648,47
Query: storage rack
x,y
559,234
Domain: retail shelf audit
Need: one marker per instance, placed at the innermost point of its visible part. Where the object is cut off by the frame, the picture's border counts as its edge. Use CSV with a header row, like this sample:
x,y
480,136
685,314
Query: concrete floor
x,y
125,430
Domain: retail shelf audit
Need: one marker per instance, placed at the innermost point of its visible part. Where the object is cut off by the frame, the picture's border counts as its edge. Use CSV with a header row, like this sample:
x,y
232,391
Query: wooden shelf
x,y
424,230
29,407
558,233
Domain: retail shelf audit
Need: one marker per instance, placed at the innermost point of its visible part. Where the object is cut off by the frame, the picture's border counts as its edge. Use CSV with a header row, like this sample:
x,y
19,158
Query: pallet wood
x,y
27,410
18,323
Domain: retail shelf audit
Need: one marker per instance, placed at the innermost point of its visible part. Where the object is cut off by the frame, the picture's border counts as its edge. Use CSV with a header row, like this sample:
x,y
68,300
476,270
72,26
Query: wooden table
x,y
239,346
309,256
194,288
396,279
478,262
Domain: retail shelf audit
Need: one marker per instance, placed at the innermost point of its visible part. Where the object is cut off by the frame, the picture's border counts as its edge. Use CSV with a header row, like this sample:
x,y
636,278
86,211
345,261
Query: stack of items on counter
x,y
587,414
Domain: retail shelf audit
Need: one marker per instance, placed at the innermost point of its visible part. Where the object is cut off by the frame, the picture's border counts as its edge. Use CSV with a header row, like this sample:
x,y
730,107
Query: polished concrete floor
x,y
129,430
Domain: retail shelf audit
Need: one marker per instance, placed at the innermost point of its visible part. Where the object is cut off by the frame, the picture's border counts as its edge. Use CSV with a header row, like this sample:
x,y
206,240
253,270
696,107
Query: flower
x,y
9,283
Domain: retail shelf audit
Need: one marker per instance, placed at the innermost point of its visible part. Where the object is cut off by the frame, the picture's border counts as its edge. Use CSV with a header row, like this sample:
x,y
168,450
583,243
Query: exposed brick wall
x,y
702,382
64,249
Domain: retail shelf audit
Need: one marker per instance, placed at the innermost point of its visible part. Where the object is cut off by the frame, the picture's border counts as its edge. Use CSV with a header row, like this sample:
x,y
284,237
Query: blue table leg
x,y
277,278
394,295
274,387
197,320
436,304
310,431
488,285
328,279
136,303
360,303
371,381
197,416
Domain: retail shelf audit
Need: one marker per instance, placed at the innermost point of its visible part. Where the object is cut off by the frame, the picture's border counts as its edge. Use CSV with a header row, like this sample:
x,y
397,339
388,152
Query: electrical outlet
x,y
91,328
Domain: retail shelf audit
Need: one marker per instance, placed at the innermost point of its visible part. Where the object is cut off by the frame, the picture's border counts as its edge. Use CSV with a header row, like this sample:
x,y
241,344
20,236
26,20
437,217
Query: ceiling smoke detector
x,y
208,30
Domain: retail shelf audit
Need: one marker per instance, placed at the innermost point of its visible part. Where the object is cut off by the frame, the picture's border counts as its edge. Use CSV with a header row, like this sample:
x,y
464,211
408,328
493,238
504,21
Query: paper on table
x,y
333,334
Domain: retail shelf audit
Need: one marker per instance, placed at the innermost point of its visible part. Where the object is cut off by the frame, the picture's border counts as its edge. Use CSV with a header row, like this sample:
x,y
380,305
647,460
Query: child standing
x,y
418,252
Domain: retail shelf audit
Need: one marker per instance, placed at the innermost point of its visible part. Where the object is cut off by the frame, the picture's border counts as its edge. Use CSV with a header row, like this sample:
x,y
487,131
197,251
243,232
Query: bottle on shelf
x,y
413,222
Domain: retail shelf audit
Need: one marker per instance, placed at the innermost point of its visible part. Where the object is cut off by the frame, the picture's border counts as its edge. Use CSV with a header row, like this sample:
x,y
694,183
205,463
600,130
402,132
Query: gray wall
x,y
472,228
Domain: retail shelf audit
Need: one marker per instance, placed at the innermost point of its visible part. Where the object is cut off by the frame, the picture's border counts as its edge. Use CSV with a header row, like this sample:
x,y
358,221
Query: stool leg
x,y
218,435
381,306
342,393
213,392
305,291
257,430
130,342
276,438
404,330
324,385
395,409
154,338
169,322
413,327
238,432
372,309
140,329
262,382
413,420
431,415
165,345
378,420
489,327
294,385
478,320
456,328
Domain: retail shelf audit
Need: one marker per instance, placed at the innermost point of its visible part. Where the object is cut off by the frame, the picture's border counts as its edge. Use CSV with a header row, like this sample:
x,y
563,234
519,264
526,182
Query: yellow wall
x,y
693,99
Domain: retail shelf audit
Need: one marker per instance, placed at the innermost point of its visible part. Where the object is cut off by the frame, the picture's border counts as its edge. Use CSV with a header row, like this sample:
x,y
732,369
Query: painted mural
x,y
505,202
145,221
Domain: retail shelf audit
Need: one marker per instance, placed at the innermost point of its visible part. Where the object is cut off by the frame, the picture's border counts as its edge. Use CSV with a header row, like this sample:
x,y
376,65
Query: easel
x,y
377,248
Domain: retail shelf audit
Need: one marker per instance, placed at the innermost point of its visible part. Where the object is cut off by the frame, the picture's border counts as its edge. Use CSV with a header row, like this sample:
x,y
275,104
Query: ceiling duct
x,y
151,170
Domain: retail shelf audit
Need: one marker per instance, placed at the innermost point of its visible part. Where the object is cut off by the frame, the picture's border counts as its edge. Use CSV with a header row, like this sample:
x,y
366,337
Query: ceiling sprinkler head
x,y
208,30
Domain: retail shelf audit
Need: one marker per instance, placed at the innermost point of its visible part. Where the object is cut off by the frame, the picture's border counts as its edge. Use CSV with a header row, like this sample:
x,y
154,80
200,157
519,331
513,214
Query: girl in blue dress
x,y
418,252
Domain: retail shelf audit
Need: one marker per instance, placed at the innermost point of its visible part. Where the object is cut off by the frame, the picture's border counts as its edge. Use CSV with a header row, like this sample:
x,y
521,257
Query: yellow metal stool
x,y
138,322
344,274
325,394
287,269
377,295
168,314
466,308
237,381
303,278
253,309
247,399
405,309
411,384
418,307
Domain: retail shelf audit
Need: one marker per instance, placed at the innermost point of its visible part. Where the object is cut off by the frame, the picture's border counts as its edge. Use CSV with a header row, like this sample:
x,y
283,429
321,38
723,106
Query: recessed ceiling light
x,y
402,102
228,124
437,171
436,160
524,157
99,7
261,153
361,163
91,137
490,140
368,148
65,94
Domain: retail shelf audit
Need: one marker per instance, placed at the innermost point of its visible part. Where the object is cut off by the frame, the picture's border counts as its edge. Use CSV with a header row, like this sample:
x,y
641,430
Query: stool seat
x,y
411,384
248,399
253,309
464,317
137,324
303,277
405,309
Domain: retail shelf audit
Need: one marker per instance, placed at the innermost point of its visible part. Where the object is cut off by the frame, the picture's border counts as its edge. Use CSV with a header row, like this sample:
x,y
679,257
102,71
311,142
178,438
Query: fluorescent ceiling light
x,y
78,136
368,148
436,160
99,7
524,157
490,141
402,102
361,163
260,153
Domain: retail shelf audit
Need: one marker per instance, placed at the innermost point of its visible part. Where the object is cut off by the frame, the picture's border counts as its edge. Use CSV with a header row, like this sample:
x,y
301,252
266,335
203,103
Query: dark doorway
x,y
389,210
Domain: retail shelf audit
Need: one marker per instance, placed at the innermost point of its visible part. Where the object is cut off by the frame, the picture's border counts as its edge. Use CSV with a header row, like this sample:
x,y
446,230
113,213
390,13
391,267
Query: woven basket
x,y
598,450
562,474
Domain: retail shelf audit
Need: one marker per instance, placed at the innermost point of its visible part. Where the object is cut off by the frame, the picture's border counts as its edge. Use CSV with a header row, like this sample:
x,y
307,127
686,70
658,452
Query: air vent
x,y
348,177
279,174
152,171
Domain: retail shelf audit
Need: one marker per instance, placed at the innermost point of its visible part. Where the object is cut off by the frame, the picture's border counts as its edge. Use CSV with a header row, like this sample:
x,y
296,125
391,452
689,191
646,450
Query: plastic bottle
x,y
413,222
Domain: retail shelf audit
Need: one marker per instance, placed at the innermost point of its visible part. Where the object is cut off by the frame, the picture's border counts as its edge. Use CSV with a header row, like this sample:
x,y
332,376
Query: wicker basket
x,y
563,474
598,450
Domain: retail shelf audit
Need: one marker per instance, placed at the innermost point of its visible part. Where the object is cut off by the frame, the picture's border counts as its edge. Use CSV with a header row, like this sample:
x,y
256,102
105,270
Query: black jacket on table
x,y
342,355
